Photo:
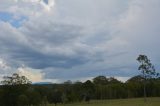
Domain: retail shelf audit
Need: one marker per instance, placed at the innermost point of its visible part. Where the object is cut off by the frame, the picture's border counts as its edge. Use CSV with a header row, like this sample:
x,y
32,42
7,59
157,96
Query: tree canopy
x,y
15,79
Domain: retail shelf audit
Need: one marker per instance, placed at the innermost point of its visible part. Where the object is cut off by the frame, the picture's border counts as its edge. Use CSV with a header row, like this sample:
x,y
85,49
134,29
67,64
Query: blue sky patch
x,y
5,16
8,17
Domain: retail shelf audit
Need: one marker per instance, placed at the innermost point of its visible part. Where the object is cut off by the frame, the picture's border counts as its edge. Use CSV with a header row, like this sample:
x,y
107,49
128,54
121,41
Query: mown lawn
x,y
120,102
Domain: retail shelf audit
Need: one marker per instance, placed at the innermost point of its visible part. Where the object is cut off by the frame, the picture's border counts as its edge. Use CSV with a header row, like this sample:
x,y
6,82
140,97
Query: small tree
x,y
147,70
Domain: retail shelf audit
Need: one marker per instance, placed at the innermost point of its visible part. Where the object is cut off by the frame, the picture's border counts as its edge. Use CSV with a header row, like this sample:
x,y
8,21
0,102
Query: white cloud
x,y
49,5
27,8
5,68
123,79
32,74
3,65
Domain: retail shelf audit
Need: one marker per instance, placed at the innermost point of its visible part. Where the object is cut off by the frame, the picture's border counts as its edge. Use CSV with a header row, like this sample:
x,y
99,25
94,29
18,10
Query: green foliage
x,y
23,100
146,67
55,97
102,80
113,80
136,79
100,88
34,97
13,86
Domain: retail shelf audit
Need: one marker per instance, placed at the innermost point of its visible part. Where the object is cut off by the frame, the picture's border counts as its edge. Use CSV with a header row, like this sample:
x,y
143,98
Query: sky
x,y
59,40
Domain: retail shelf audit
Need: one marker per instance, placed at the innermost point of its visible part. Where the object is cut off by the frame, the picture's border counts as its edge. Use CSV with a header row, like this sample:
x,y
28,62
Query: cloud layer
x,y
78,39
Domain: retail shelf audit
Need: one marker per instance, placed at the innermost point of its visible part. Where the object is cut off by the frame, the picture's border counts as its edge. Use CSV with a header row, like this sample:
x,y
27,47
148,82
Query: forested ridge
x,y
99,88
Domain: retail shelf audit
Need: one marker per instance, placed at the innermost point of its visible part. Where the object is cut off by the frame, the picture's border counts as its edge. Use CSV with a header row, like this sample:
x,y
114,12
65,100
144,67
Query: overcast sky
x,y
58,40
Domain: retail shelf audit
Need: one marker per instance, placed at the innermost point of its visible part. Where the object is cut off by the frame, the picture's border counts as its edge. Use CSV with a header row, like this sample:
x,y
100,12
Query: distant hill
x,y
42,83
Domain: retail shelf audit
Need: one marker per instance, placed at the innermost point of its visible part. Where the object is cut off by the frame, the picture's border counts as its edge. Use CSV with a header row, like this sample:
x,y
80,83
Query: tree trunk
x,y
144,88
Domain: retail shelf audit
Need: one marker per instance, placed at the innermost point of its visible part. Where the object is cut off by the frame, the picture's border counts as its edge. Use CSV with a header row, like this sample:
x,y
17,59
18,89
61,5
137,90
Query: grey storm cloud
x,y
81,38
31,49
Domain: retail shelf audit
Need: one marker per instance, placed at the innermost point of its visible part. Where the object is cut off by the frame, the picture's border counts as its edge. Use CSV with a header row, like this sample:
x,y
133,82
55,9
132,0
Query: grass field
x,y
120,102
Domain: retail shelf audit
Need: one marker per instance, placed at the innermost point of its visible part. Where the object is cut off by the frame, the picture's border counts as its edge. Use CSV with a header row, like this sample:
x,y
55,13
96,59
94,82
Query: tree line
x,y
98,89
17,90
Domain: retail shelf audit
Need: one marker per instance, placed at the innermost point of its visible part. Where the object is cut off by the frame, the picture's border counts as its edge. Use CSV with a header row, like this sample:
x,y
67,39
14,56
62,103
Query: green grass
x,y
119,102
